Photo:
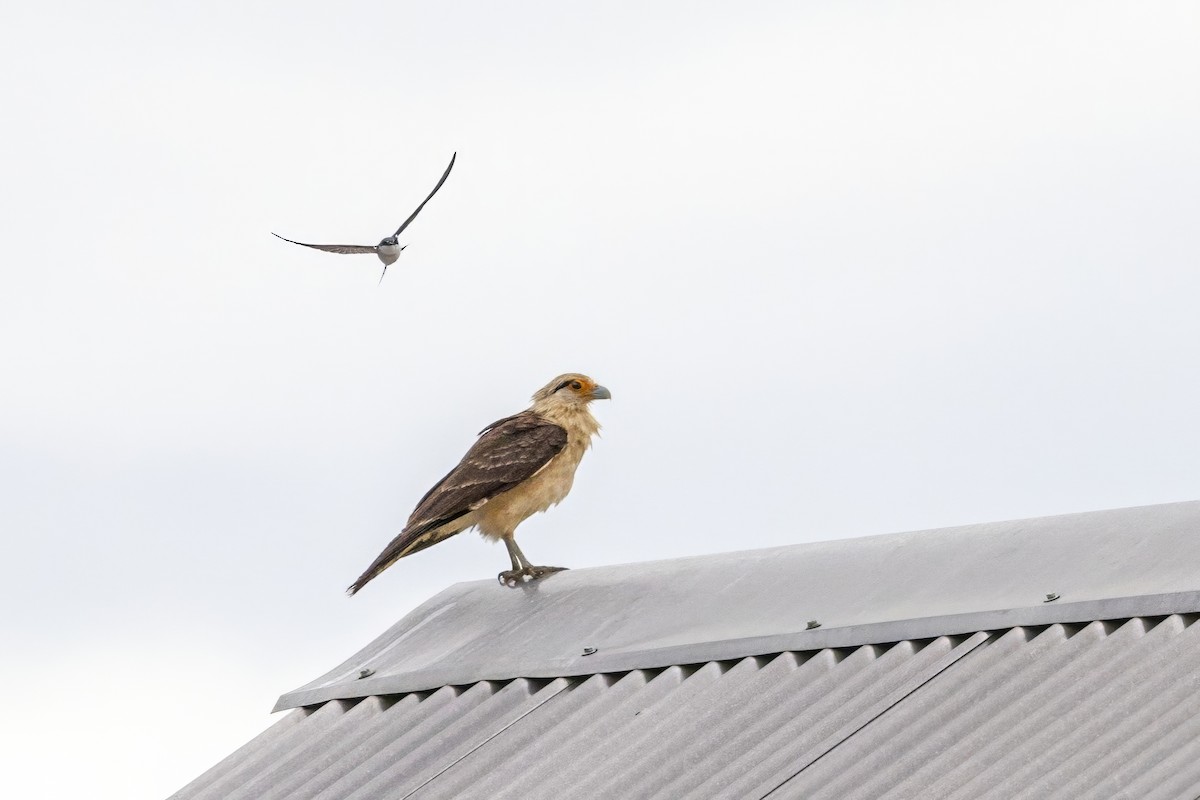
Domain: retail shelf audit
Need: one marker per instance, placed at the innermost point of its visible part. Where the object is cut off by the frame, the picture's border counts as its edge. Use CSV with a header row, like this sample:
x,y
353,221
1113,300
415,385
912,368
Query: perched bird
x,y
389,247
520,465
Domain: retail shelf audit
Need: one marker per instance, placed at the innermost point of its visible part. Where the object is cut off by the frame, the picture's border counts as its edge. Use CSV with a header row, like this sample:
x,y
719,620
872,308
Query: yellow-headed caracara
x,y
520,465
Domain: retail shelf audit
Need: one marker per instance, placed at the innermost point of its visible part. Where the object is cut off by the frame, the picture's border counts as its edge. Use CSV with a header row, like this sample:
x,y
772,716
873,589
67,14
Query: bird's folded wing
x,y
508,452
413,215
333,248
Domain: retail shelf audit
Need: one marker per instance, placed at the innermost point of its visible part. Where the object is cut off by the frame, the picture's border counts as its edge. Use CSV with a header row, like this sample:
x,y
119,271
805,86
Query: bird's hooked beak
x,y
601,393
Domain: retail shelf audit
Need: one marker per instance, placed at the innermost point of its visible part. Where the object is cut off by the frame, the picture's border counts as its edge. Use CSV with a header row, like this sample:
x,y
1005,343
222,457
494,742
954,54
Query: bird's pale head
x,y
570,390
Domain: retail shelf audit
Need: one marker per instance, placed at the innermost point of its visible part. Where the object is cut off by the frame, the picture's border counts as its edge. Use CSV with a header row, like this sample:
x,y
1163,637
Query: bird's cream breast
x,y
504,512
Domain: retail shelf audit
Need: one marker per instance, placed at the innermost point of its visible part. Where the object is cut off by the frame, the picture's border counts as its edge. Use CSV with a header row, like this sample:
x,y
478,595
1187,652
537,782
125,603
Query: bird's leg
x,y
511,577
522,569
514,553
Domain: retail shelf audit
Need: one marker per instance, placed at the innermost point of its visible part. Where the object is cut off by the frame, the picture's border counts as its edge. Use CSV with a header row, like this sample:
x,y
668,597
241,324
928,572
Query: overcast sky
x,y
848,268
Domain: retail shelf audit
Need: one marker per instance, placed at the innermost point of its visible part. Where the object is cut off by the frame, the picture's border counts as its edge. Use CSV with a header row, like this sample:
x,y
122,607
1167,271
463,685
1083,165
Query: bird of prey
x,y
389,247
520,465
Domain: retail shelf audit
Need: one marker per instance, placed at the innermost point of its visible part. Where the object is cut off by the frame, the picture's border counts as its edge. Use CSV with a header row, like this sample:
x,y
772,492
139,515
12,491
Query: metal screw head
x,y
1051,597
587,651
365,673
812,624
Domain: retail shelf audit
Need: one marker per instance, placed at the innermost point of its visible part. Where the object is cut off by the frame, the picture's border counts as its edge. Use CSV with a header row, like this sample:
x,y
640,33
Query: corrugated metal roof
x,y
992,694
1103,565
1104,710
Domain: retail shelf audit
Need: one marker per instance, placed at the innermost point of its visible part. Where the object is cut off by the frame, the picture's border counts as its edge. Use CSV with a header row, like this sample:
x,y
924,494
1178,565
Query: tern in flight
x,y
388,248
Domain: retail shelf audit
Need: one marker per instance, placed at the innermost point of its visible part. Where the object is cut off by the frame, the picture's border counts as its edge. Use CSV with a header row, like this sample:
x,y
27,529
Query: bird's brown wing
x,y
346,249
508,452
413,215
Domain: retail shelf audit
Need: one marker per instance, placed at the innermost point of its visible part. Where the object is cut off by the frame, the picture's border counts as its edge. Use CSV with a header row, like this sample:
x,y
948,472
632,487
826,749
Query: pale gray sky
x,y
848,268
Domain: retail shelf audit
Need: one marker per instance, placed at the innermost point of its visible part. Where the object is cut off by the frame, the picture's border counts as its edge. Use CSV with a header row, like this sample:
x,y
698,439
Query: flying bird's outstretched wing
x,y
333,248
507,453
413,215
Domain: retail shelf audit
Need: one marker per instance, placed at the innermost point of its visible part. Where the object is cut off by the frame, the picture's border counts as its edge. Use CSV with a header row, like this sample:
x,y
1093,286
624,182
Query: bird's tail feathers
x,y
407,543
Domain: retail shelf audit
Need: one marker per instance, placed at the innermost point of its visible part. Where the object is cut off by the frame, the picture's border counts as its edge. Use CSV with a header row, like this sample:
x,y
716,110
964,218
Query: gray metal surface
x,y
1102,565
1101,710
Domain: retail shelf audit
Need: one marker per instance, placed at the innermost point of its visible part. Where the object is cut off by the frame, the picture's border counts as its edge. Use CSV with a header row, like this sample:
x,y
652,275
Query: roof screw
x,y
812,625
365,673
587,651
1051,597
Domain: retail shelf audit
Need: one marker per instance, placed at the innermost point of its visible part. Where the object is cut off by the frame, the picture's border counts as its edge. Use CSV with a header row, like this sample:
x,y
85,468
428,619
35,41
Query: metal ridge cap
x,y
598,661
683,563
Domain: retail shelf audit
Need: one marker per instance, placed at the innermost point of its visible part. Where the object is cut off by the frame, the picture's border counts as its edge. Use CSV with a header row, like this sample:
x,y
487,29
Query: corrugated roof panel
x,y
1040,718
412,759
311,758
833,709
1103,710
502,761
919,729
243,760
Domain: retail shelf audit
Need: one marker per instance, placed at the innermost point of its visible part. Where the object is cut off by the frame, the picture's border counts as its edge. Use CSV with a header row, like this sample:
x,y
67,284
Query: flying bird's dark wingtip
x,y
441,180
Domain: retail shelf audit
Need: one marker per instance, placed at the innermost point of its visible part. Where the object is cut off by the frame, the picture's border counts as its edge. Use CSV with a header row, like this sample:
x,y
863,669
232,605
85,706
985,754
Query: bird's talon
x,y
541,572
512,578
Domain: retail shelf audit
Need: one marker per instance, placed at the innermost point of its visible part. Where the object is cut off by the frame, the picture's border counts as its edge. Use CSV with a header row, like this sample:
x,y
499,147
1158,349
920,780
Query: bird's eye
x,y
576,385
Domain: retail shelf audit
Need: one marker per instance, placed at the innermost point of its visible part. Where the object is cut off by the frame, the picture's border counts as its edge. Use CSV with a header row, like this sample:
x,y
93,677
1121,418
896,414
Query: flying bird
x,y
389,247
520,465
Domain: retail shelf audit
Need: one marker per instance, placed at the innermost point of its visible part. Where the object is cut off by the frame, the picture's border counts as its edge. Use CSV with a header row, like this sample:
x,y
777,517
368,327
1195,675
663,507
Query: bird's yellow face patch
x,y
582,386
572,386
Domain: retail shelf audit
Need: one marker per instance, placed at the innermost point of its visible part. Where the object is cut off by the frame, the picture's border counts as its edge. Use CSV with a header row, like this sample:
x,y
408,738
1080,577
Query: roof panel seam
x,y
563,685
880,708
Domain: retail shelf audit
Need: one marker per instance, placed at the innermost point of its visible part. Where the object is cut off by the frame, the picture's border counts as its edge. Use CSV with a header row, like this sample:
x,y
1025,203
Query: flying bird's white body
x,y
388,253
